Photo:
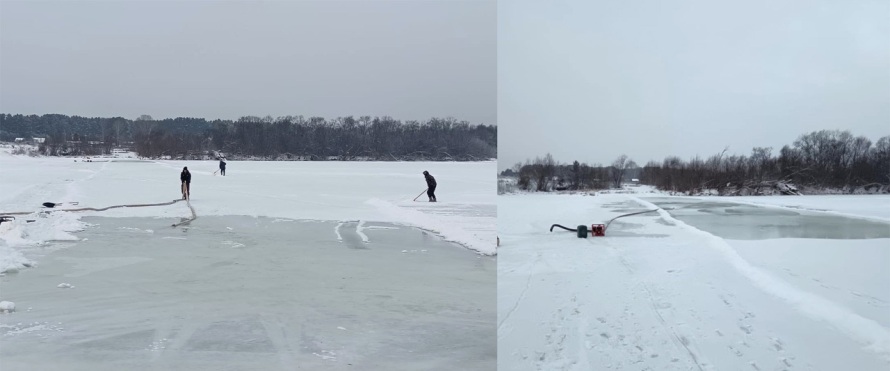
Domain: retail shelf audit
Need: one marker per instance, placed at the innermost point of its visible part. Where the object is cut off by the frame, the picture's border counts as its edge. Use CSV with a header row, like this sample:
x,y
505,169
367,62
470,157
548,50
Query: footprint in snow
x,y
737,352
777,343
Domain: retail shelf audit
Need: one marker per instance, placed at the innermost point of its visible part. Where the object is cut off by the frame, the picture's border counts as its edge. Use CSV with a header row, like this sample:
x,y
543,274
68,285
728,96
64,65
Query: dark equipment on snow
x,y
6,218
54,204
596,230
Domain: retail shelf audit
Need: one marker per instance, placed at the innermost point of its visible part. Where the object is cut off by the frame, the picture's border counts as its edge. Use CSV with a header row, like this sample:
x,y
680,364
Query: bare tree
x,y
619,167
548,170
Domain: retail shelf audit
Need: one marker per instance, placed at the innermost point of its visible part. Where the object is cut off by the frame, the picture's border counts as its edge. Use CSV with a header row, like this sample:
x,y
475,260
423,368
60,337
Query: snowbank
x,y
453,231
28,232
7,306
12,260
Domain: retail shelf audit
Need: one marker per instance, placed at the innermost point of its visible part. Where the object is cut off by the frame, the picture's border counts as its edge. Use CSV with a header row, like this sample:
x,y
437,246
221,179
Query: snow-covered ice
x,y
659,293
287,264
346,191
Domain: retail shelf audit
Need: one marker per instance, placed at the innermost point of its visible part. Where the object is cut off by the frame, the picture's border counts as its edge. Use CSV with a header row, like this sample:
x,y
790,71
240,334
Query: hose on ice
x,y
51,205
596,230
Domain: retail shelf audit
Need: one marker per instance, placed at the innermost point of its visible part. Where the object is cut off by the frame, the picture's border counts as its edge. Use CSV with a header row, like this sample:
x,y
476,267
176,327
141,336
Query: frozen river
x,y
747,222
236,292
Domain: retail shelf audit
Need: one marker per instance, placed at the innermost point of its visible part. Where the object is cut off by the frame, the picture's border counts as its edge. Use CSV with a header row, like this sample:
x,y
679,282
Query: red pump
x,y
598,230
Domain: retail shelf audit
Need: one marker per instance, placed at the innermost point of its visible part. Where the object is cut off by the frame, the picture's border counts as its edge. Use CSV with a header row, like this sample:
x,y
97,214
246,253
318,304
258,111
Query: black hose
x,y
557,225
621,216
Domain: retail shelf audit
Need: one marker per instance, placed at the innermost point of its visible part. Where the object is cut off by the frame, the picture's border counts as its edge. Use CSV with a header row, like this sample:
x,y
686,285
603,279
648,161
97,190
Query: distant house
x,y
39,140
635,182
19,140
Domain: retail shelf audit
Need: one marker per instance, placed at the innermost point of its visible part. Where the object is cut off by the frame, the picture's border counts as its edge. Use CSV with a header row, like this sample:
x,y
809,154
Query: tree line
x,y
546,174
282,138
826,159
817,161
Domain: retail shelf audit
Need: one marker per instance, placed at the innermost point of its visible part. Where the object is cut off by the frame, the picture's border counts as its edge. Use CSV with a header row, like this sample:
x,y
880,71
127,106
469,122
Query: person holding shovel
x,y
186,178
222,166
431,186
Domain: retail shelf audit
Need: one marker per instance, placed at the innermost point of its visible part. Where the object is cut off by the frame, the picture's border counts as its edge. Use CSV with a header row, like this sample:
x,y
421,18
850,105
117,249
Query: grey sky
x,y
589,80
224,59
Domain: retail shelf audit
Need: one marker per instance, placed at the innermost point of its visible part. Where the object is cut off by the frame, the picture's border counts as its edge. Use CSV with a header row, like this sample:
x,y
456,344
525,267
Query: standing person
x,y
430,186
186,178
222,166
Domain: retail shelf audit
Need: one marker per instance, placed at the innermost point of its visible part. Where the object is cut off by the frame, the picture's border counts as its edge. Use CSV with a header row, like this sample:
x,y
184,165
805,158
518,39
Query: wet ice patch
x,y
83,266
192,306
231,336
739,221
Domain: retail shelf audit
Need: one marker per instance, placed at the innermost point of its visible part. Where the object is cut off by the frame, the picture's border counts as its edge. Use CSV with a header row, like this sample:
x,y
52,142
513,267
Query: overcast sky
x,y
589,80
225,59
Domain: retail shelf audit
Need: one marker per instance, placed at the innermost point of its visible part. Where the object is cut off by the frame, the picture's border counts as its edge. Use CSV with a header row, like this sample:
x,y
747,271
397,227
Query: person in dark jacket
x,y
222,166
186,178
430,186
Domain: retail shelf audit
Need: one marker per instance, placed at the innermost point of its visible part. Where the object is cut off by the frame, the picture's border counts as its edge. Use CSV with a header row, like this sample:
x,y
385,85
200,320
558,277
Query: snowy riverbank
x,y
660,293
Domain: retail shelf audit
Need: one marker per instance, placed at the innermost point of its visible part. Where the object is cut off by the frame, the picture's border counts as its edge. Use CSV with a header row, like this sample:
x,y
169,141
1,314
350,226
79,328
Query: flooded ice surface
x,y
747,222
252,293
